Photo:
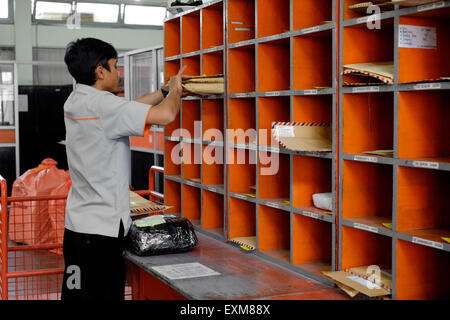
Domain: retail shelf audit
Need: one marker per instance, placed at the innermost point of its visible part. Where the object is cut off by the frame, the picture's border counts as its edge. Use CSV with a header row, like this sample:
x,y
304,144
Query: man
x,y
98,126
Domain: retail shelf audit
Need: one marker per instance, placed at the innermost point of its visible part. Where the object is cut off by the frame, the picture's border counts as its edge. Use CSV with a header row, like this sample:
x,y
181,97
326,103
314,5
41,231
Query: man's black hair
x,y
84,55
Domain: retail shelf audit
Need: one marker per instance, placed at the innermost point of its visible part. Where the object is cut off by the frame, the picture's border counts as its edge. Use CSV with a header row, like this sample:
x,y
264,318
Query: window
x,y
4,9
96,12
59,11
144,15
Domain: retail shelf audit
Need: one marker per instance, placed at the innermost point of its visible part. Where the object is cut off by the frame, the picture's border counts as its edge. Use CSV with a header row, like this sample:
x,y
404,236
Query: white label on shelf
x,y
285,131
190,183
278,36
365,158
273,205
362,20
185,271
431,6
366,228
237,22
310,92
313,29
240,196
273,94
311,215
240,95
366,89
428,243
427,86
245,43
241,29
418,37
425,164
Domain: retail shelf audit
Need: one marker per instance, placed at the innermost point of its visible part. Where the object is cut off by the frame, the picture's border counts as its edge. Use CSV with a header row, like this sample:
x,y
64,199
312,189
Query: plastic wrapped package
x,y
161,234
323,201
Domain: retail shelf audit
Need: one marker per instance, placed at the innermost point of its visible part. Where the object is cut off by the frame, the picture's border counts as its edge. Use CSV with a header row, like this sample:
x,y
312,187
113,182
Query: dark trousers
x,y
94,267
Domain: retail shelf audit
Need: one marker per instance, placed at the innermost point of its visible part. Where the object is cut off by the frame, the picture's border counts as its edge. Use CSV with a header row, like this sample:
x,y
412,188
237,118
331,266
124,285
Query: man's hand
x,y
175,85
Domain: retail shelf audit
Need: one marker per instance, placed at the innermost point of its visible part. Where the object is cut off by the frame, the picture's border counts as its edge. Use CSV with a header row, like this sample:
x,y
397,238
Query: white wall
x,y
120,38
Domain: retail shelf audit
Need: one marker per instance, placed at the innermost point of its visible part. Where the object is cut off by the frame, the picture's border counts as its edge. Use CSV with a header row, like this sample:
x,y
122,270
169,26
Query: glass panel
x,y
141,74
145,15
97,12
120,69
6,95
53,10
6,74
4,9
160,59
50,74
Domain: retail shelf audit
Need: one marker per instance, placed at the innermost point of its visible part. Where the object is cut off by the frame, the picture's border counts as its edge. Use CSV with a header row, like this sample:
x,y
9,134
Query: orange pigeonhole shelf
x,y
172,38
242,218
192,159
311,13
191,204
212,63
171,69
312,64
311,175
423,130
241,73
212,165
172,159
212,120
212,26
273,179
213,210
192,65
270,110
190,38
274,65
362,248
417,64
242,170
422,272
367,193
274,233
241,20
368,122
190,114
242,118
312,244
273,17
363,45
313,108
422,209
172,196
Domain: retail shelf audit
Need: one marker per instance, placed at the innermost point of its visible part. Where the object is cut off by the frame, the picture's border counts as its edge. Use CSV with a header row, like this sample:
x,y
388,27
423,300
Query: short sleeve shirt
x,y
98,126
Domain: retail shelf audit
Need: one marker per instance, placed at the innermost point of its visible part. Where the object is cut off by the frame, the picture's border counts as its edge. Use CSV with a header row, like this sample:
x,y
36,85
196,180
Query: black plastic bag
x,y
176,235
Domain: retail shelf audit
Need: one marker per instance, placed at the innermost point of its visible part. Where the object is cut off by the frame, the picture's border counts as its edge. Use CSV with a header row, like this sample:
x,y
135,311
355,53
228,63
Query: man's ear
x,y
99,73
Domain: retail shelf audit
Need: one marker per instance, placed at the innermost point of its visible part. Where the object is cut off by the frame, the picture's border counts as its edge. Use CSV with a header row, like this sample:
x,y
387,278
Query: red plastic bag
x,y
29,221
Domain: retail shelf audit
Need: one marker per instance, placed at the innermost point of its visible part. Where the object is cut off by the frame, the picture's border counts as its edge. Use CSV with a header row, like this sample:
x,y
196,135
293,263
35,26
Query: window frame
x,y
120,19
137,4
10,19
34,20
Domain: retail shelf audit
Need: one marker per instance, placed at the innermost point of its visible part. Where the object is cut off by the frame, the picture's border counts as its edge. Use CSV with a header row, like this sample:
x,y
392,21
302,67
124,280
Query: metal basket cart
x,y
32,268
